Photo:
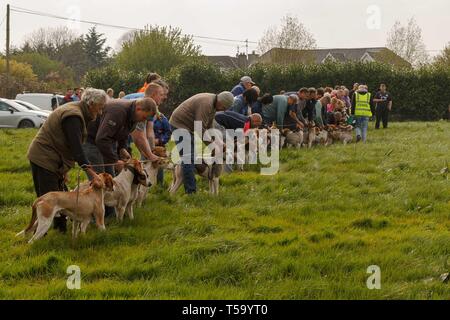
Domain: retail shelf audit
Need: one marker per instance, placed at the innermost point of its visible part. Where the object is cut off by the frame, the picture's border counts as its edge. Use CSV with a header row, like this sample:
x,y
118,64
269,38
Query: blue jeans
x,y
362,124
187,163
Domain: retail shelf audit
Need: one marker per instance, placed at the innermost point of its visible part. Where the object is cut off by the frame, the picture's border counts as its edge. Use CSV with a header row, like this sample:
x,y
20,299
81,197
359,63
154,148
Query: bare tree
x,y
443,59
407,42
50,39
292,34
126,37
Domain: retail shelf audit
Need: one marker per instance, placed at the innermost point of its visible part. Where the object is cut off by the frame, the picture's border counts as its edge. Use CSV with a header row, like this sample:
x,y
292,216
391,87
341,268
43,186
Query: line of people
x,y
319,107
98,129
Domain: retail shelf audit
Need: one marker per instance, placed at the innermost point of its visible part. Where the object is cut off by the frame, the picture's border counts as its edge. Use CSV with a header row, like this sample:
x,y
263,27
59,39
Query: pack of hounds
x,y
130,188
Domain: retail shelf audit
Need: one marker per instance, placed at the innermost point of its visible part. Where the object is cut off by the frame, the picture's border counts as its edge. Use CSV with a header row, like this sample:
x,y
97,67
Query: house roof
x,y
287,56
319,55
224,61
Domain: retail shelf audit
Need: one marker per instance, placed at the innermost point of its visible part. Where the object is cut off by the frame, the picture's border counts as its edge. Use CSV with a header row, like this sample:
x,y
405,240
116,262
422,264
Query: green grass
x,y
309,232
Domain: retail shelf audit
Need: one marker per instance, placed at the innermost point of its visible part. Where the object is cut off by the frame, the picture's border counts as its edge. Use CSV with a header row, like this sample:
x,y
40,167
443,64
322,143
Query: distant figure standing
x,y
383,102
362,112
122,94
68,96
77,95
110,93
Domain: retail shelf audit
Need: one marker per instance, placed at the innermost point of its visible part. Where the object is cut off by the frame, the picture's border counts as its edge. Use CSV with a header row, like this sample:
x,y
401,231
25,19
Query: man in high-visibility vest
x,y
361,109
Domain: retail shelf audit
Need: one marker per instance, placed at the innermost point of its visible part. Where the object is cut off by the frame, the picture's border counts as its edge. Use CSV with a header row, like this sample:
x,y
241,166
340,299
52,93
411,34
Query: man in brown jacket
x,y
58,145
201,107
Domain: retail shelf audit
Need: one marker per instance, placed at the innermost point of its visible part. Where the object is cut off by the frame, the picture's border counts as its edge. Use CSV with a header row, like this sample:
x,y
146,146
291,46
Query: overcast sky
x,y
337,24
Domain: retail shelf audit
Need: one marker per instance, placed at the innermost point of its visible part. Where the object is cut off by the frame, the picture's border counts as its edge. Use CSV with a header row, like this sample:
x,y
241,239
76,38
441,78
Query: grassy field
x,y
309,232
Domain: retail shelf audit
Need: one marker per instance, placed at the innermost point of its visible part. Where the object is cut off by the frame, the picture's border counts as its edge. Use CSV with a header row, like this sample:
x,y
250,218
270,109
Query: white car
x,y
13,115
45,101
31,106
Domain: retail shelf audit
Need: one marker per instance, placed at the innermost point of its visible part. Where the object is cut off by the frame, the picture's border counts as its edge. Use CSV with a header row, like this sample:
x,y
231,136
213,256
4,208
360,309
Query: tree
x,y
80,53
21,78
43,66
156,49
292,34
94,47
407,42
443,59
49,41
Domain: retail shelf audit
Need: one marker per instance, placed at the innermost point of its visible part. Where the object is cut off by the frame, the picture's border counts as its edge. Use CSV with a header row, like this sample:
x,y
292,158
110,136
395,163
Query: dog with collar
x,y
290,138
212,172
151,169
126,184
79,206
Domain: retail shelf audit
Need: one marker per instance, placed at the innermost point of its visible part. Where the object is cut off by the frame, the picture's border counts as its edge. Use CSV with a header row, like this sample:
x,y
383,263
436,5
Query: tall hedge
x,y
112,77
418,94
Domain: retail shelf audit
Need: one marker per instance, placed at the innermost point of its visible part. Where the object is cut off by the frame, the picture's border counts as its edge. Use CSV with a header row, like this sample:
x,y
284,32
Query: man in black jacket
x,y
110,133
383,101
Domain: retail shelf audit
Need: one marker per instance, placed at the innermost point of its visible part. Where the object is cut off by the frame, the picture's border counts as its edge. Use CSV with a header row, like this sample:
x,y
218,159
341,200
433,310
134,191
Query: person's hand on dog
x,y
120,165
153,158
124,155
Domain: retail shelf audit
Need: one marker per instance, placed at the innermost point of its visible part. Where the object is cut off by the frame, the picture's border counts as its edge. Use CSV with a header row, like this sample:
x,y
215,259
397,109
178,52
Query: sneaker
x,y
358,139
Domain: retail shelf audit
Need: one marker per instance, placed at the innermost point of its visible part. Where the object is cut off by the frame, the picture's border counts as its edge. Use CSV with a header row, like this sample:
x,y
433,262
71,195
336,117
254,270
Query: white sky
x,y
333,23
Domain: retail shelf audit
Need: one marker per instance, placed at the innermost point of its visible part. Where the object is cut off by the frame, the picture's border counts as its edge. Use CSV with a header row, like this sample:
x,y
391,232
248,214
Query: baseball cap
x,y
247,79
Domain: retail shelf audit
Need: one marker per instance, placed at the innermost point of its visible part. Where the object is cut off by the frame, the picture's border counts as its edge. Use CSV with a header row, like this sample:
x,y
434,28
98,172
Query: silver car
x,y
13,115
31,106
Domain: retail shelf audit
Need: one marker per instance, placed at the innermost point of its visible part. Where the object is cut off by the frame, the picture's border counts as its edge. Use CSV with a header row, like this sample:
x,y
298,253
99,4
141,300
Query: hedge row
x,y
421,94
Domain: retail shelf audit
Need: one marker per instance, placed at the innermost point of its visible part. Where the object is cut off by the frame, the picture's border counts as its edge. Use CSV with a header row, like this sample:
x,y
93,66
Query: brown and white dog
x,y
210,172
151,169
341,133
80,207
322,137
126,186
124,195
290,138
310,135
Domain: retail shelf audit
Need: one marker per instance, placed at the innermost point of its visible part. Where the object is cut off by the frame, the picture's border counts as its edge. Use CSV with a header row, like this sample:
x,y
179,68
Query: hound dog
x,y
126,184
79,206
290,138
212,172
151,169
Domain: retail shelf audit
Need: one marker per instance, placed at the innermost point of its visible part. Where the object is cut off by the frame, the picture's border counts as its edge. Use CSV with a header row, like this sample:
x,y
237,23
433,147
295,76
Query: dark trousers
x,y
45,182
187,163
382,115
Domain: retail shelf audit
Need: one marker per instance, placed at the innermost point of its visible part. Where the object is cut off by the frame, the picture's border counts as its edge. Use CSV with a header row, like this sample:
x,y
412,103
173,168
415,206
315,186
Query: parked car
x,y
45,101
13,115
31,106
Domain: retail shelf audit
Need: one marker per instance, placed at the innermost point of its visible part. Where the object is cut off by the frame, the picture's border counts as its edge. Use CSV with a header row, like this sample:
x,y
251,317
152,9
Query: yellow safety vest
x,y
362,108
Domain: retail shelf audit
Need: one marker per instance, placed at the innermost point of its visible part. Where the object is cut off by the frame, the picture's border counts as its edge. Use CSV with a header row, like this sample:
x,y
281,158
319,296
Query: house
x,y
241,61
318,56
